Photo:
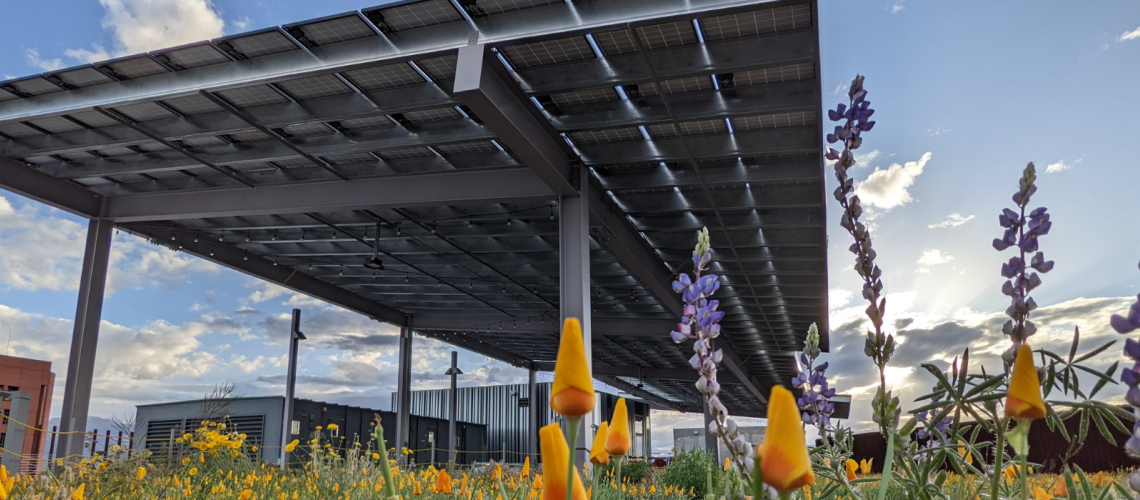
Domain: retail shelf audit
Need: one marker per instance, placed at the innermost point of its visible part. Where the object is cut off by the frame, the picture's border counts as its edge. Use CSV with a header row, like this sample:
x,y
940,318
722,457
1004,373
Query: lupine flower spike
x,y
556,456
784,457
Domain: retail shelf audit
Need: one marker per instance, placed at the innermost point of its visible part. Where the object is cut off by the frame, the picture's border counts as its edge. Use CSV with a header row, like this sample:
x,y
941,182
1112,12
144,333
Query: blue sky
x,y
967,92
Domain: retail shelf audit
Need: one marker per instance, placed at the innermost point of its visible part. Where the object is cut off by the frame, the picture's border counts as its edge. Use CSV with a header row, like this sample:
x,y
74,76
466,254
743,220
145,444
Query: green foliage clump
x,y
690,469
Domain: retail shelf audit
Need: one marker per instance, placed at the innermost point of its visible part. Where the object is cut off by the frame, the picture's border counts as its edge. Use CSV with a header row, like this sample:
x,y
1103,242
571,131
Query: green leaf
x,y
1094,352
1100,383
1101,427
1086,485
1084,432
1107,412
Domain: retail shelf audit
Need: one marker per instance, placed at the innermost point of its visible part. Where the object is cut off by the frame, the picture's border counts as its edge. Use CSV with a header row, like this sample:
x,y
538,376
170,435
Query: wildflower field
x,y
968,438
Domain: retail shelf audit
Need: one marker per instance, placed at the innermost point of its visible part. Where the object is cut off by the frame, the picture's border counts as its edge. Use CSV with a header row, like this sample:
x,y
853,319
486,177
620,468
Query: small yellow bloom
x,y
598,454
572,394
375,456
537,484
1039,493
193,471
186,461
865,465
525,469
785,463
140,474
244,495
727,464
1023,398
78,493
618,441
851,467
417,490
498,472
443,482
332,427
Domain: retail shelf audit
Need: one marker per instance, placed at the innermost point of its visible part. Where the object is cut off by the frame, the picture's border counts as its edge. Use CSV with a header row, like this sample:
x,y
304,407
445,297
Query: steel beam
x,y
484,85
454,187
26,181
625,327
264,269
84,339
295,338
631,371
532,412
661,402
477,346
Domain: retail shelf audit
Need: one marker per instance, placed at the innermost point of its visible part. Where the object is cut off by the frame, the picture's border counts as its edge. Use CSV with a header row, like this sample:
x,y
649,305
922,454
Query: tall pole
x,y
453,402
295,338
532,413
711,445
404,392
84,339
574,271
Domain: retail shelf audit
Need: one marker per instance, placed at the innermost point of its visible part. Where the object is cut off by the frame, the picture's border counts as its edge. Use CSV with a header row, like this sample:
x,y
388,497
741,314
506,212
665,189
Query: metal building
x,y
260,419
506,411
471,170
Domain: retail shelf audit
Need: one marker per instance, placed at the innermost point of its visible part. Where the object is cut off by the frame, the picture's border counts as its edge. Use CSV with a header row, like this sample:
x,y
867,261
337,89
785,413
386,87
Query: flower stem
x,y
998,454
572,442
617,476
886,479
1024,476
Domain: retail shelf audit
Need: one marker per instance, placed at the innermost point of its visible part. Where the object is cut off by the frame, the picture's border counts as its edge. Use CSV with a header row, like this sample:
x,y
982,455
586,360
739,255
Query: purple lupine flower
x,y
1131,378
1023,232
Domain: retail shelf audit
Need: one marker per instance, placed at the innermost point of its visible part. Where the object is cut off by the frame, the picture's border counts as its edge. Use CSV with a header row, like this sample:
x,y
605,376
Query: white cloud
x,y
1060,165
241,24
34,59
841,89
96,54
898,6
863,159
887,189
953,220
1130,35
932,257
145,25
936,131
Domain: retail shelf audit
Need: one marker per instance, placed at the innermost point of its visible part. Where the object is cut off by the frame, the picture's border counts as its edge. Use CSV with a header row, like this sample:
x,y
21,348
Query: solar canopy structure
x,y
472,170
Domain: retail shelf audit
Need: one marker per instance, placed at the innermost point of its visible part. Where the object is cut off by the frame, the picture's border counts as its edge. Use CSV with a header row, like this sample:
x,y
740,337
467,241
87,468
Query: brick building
x,y
35,378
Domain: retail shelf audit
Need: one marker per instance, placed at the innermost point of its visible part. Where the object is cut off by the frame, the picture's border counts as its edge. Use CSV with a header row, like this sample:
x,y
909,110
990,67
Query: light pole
x,y
295,338
454,372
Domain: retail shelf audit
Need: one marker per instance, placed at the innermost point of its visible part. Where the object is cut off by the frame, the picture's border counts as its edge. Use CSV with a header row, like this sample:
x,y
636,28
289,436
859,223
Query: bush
x,y
633,471
690,469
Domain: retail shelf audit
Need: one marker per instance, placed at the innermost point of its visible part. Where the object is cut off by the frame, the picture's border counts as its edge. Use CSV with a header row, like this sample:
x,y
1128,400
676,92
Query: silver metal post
x,y
453,402
18,411
532,413
404,391
574,272
84,338
710,440
295,338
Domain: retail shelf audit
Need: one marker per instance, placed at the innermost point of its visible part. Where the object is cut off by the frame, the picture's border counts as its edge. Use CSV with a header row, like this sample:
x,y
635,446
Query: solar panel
x,y
467,148
35,86
308,129
76,155
667,34
197,56
250,135
19,130
203,141
585,96
608,135
193,104
680,85
432,115
405,153
788,73
251,97
144,111
661,131
757,22
367,123
84,77
349,158
383,77
526,55
440,68
778,120
93,119
492,7
258,166
615,42
116,151
167,174
272,42
56,124
151,146
702,127
415,15
294,163
136,67
127,178
314,87
341,29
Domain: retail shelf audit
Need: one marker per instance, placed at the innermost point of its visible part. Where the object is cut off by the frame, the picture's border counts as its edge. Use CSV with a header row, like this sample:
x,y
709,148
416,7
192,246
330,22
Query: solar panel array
x,y
685,121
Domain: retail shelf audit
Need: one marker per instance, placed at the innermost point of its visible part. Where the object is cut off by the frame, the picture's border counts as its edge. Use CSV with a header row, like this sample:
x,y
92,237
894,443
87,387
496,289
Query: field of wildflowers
x,y
937,453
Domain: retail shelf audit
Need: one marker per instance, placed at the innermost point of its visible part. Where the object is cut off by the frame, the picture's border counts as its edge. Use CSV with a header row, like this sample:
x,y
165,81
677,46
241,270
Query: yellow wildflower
x,y
784,459
598,454
572,394
1023,398
851,466
618,441
556,457
140,474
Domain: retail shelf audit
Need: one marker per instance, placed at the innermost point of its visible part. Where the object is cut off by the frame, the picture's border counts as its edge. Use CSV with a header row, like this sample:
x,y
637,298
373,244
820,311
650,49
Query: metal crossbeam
x,y
453,187
64,195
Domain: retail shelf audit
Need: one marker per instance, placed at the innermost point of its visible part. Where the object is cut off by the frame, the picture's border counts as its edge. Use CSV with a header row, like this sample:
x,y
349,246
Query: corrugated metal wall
x,y
497,407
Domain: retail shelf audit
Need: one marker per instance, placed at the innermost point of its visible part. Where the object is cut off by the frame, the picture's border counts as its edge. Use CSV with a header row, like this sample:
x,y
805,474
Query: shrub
x,y
690,469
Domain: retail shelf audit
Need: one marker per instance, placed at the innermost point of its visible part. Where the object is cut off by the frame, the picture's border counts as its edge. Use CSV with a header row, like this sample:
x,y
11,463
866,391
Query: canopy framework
x,y
277,152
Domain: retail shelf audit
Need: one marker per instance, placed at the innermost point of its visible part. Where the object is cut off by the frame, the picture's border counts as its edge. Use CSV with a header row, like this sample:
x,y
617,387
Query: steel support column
x,y
84,338
453,406
404,391
574,272
710,439
295,338
532,412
